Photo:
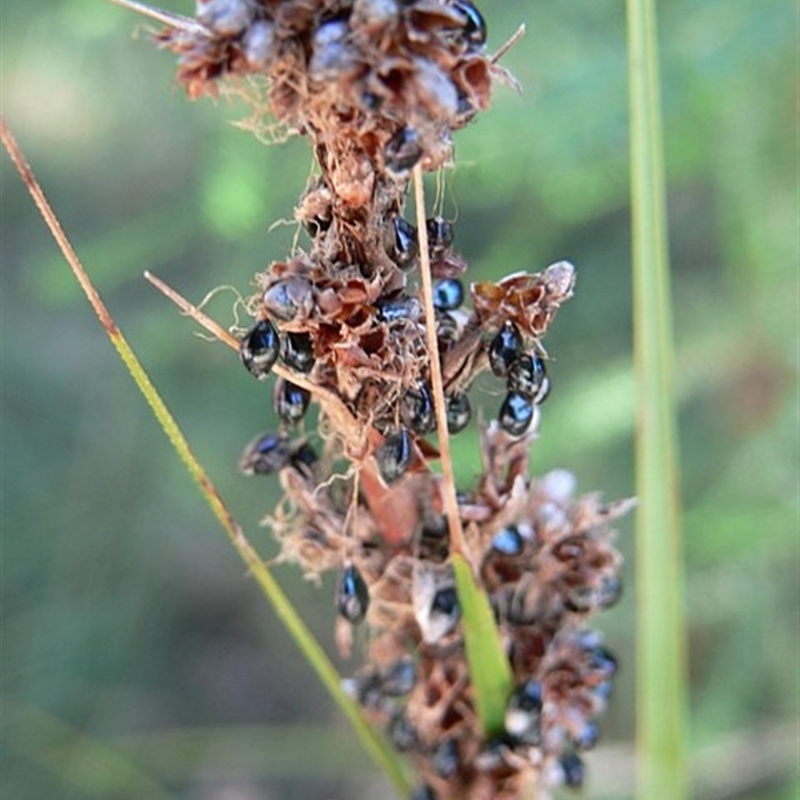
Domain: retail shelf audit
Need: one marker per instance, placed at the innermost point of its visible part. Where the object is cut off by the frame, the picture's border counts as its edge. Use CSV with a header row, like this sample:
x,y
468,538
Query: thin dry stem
x,y
177,21
515,37
457,541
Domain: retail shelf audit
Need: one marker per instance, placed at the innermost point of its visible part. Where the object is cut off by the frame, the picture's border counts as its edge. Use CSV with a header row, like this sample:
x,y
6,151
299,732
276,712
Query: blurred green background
x,y
138,661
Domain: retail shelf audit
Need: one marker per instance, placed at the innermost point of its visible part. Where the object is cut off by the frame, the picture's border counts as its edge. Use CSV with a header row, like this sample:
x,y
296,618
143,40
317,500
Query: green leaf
x,y
489,669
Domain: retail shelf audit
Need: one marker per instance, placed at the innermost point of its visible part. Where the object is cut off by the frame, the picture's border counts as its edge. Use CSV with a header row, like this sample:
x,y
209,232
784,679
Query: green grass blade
x,y
661,669
313,652
489,669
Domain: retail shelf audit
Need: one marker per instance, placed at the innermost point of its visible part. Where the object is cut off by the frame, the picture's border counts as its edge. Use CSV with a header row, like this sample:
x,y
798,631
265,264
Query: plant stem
x,y
661,671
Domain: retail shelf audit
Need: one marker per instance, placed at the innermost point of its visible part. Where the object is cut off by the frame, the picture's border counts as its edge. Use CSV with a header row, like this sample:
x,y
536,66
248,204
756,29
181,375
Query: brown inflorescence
x,y
379,86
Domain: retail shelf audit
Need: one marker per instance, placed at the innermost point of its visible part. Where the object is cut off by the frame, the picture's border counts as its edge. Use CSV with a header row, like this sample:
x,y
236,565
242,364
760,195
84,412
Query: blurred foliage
x,y
135,652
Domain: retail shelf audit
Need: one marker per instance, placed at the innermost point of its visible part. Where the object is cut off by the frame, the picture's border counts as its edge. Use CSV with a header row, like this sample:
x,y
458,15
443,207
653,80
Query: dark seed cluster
x,y
379,86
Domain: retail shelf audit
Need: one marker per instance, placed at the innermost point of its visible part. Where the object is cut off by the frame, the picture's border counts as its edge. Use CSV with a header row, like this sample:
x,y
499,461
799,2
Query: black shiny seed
x,y
423,792
573,770
400,678
603,660
402,151
505,349
448,294
527,375
402,733
266,454
458,411
297,352
516,414
528,697
259,349
523,714
445,601
368,690
588,736
508,541
286,297
404,247
291,402
352,595
225,17
394,455
544,391
610,592
475,25
416,409
440,235
445,759
398,309
303,457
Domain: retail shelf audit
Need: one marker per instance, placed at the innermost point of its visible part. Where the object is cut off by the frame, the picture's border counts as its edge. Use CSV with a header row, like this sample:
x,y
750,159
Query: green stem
x,y
661,670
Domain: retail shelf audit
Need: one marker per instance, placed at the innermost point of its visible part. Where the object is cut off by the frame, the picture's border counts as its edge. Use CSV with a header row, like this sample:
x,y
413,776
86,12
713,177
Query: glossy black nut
x,y
400,678
259,44
331,55
475,26
291,401
527,375
572,770
524,712
440,235
445,602
402,733
448,294
458,412
402,151
587,737
394,455
297,352
266,454
508,541
609,592
303,457
516,414
368,690
288,297
602,660
445,759
404,247
399,309
259,349
352,595
416,409
225,17
504,349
